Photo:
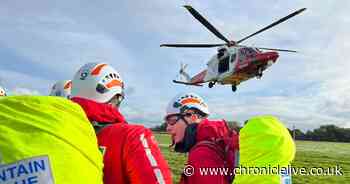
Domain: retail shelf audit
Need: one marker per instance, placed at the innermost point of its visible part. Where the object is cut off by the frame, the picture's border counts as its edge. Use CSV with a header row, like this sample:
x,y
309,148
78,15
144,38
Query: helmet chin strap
x,y
186,122
116,100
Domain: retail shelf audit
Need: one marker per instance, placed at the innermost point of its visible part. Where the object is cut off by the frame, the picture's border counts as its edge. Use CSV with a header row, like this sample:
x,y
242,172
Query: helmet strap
x,y
116,100
183,118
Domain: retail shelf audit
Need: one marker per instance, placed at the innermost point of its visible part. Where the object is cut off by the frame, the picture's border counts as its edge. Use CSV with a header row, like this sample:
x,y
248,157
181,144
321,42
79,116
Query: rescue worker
x,y
210,143
265,143
131,154
2,91
46,140
62,88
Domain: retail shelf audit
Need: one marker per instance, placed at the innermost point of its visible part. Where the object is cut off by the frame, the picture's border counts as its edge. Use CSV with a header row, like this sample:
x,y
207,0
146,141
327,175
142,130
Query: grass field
x,y
309,154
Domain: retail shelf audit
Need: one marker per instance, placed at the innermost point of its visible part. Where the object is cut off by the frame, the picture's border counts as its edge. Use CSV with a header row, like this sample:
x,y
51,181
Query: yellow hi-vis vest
x,y
47,140
266,147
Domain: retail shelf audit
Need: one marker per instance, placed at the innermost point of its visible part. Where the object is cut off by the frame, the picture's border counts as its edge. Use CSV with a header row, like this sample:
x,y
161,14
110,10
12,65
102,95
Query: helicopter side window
x,y
233,57
224,64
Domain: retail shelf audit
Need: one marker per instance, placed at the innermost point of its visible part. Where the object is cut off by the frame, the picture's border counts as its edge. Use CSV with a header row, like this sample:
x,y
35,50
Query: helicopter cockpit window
x,y
224,64
242,55
250,51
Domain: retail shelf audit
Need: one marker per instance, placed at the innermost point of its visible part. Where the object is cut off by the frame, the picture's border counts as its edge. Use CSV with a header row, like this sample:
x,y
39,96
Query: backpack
x,y
227,148
47,140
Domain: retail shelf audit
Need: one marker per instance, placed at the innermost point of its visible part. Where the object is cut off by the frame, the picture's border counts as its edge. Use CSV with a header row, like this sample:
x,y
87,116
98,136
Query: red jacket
x,y
131,154
208,156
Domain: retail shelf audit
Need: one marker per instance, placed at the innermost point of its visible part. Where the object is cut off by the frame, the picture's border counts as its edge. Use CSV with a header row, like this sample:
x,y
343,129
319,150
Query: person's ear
x,y
194,117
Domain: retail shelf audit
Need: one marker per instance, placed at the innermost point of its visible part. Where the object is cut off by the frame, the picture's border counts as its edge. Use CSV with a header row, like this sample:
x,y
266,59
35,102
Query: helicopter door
x,y
224,64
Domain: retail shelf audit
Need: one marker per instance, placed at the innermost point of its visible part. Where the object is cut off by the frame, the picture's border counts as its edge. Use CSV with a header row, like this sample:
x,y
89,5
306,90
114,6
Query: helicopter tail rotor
x,y
183,75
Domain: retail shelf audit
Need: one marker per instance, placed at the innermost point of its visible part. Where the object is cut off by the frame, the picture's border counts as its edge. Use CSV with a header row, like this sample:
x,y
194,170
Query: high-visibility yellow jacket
x,y
46,140
266,144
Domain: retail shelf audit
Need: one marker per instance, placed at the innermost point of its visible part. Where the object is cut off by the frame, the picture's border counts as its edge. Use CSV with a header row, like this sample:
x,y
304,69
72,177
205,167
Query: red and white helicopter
x,y
233,63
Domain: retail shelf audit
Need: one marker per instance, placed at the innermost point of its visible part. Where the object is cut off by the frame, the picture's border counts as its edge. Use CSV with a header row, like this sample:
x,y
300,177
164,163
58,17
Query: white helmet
x,y
185,101
62,88
98,82
2,91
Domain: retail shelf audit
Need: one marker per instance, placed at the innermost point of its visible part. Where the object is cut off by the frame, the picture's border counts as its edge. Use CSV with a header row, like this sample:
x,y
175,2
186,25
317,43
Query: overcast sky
x,y
44,41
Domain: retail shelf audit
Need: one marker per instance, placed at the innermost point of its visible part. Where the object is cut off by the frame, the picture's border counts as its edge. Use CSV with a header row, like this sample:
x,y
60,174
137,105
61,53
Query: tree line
x,y
330,133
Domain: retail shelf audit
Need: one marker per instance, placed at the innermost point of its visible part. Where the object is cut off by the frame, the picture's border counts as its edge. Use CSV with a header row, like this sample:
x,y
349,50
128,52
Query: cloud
x,y
16,80
24,91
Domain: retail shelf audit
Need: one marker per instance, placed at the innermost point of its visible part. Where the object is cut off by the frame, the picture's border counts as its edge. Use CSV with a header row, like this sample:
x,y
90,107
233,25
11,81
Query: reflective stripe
x,y
159,176
144,141
152,160
150,157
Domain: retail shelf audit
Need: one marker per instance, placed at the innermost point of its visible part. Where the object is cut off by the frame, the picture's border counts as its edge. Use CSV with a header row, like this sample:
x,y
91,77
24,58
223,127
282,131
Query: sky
x,y
43,41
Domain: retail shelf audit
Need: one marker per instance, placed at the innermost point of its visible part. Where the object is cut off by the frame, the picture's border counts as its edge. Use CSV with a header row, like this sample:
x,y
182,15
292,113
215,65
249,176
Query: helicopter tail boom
x,y
184,77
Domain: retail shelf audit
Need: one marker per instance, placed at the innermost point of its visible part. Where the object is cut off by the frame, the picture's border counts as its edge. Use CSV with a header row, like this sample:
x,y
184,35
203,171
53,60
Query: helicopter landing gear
x,y
258,76
211,84
259,73
234,87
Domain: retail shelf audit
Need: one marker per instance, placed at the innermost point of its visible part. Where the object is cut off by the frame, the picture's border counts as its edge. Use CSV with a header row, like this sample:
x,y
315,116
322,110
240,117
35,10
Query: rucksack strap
x,y
212,145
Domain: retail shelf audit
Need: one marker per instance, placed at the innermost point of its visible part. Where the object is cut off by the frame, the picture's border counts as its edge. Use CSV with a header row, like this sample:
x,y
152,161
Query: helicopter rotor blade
x,y
283,50
206,23
273,24
192,45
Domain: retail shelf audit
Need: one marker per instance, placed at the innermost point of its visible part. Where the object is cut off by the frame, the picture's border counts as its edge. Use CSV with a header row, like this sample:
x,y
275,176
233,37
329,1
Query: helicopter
x,y
234,63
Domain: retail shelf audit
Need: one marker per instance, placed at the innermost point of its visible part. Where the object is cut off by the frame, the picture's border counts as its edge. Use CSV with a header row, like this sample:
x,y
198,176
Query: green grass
x,y
322,154
175,160
309,154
